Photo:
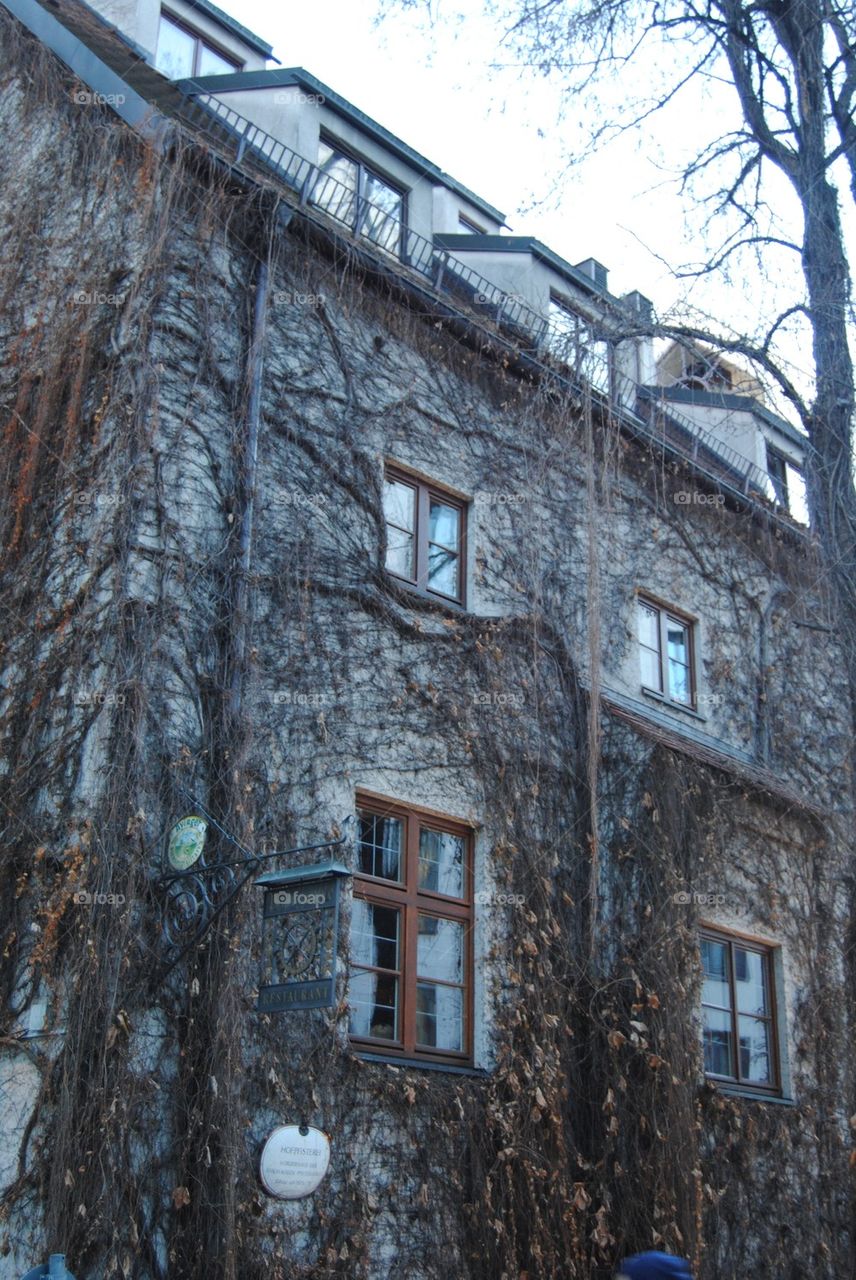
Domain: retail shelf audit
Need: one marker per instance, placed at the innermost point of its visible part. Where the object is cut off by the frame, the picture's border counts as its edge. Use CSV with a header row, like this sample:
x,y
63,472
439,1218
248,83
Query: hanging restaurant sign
x,y
185,842
294,1160
300,937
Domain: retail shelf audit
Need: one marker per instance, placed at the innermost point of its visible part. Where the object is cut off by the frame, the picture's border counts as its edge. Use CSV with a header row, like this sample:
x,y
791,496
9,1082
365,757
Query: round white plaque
x,y
293,1163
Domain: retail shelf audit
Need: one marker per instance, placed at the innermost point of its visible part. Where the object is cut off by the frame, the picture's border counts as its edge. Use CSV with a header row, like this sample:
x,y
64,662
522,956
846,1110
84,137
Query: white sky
x,y
438,88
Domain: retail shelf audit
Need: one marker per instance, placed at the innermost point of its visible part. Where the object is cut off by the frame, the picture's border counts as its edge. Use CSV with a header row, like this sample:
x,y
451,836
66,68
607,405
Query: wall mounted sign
x,y
185,842
294,1160
300,938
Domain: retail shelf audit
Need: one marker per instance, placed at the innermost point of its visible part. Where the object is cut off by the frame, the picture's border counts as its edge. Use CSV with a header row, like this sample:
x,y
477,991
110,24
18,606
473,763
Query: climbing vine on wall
x,y
135,665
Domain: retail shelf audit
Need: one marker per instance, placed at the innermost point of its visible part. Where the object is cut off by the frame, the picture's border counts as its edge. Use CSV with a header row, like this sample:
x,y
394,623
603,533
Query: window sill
x,y
406,588
750,1095
669,705
422,1064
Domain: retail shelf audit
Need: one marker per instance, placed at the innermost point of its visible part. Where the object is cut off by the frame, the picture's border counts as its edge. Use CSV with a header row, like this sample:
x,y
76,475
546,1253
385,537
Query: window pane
x,y
440,952
399,552
212,63
441,862
175,50
373,1001
442,570
754,1049
380,846
336,187
717,1037
594,364
679,682
678,650
750,981
444,524
714,958
677,640
439,1017
383,215
399,504
650,665
562,332
649,627
374,934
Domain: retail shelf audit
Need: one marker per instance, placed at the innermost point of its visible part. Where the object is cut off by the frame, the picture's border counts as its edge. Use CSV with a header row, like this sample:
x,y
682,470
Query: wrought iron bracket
x,y
193,899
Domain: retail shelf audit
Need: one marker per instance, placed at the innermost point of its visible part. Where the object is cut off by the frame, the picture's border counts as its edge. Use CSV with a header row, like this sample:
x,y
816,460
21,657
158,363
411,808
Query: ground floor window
x,y
410,984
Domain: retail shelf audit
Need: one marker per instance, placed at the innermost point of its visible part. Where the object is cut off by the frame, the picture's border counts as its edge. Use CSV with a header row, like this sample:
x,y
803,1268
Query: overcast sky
x,y
437,85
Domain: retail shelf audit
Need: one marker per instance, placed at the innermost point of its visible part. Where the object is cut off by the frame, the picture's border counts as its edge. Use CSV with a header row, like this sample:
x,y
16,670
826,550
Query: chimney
x,y
595,271
642,307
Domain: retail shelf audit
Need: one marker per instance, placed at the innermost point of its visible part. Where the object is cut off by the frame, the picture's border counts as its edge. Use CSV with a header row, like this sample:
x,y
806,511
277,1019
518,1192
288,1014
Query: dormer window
x,y
359,197
706,375
571,338
183,52
467,227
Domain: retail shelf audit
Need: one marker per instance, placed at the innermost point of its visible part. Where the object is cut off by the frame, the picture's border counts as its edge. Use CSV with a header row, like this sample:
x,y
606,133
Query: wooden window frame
x,y
200,39
767,951
411,901
425,491
470,228
664,613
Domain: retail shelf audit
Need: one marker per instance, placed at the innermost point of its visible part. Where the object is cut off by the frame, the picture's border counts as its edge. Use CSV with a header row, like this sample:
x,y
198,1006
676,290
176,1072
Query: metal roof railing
x,y
558,352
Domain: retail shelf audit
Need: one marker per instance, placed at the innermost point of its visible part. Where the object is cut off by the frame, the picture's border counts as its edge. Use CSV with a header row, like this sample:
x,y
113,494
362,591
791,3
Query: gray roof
x,y
277,78
225,20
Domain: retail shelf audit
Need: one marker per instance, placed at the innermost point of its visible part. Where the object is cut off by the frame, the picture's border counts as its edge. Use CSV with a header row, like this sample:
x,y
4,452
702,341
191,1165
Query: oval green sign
x,y
186,840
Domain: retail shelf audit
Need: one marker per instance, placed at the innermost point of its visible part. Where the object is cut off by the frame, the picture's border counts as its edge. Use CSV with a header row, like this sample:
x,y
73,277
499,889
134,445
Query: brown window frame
x,y
201,39
411,901
425,491
664,612
767,951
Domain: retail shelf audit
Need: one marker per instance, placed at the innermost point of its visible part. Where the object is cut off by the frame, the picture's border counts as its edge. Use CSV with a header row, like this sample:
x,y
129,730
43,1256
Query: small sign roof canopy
x,y
301,875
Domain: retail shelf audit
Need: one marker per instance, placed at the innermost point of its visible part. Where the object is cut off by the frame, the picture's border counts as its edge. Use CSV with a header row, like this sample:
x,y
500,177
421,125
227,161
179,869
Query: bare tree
x,y
792,67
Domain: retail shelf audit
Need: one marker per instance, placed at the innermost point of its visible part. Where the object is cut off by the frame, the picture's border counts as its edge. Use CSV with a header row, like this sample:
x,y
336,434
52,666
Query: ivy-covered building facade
x,y
426,762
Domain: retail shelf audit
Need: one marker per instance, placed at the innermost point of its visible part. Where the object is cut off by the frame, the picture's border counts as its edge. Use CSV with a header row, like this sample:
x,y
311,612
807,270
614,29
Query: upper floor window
x,y
469,227
183,52
706,375
410,985
739,1011
666,652
354,194
572,339
425,532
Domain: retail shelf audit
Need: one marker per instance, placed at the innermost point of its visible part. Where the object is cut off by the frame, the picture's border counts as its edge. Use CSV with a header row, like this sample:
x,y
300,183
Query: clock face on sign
x,y
298,948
